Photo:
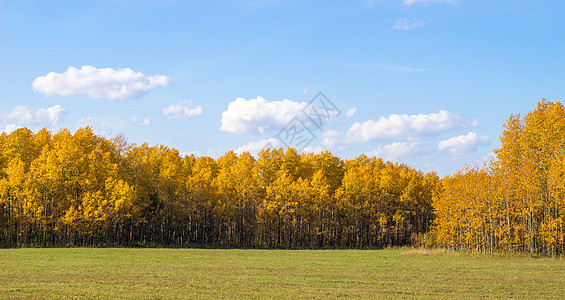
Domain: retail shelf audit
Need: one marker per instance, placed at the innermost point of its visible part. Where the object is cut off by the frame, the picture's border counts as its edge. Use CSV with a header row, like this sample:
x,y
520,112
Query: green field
x,y
190,273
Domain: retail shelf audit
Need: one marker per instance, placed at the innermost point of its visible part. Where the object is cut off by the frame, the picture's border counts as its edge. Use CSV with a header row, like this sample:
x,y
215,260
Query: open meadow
x,y
189,273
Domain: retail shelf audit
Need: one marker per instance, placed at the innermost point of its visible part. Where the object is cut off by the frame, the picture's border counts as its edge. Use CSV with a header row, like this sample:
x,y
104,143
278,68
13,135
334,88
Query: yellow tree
x,y
279,205
320,209
202,201
515,203
239,183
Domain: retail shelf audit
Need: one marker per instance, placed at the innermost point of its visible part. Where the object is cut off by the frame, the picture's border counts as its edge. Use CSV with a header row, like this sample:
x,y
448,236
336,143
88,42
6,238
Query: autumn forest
x,y
79,189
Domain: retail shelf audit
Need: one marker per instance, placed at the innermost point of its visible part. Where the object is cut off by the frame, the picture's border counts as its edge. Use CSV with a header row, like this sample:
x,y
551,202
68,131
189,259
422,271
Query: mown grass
x,y
318,274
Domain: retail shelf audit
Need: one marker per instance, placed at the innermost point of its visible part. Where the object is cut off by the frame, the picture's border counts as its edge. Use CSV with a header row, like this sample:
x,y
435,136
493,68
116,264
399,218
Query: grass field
x,y
197,273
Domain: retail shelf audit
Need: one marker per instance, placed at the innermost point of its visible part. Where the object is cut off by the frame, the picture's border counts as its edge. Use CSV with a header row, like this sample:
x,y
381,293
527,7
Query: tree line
x,y
516,202
80,189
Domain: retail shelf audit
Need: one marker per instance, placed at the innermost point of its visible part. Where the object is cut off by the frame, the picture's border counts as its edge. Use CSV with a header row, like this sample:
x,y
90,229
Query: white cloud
x,y
98,83
50,114
332,139
182,110
403,126
9,128
40,117
407,24
255,147
463,144
313,149
21,113
22,116
396,150
258,115
88,121
410,2
139,121
351,112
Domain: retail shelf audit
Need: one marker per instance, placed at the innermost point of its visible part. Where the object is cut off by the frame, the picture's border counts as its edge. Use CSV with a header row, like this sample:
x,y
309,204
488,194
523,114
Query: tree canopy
x,y
80,189
516,203
85,190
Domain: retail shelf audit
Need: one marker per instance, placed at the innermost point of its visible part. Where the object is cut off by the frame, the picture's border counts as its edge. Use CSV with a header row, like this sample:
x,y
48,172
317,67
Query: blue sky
x,y
427,83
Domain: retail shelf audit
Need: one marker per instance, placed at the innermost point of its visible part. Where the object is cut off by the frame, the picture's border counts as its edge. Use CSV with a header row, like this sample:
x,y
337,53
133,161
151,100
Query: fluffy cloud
x,y
313,149
50,114
9,128
410,2
25,116
407,24
255,147
21,114
463,144
396,150
351,112
182,110
139,121
332,139
98,83
404,126
88,121
257,115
